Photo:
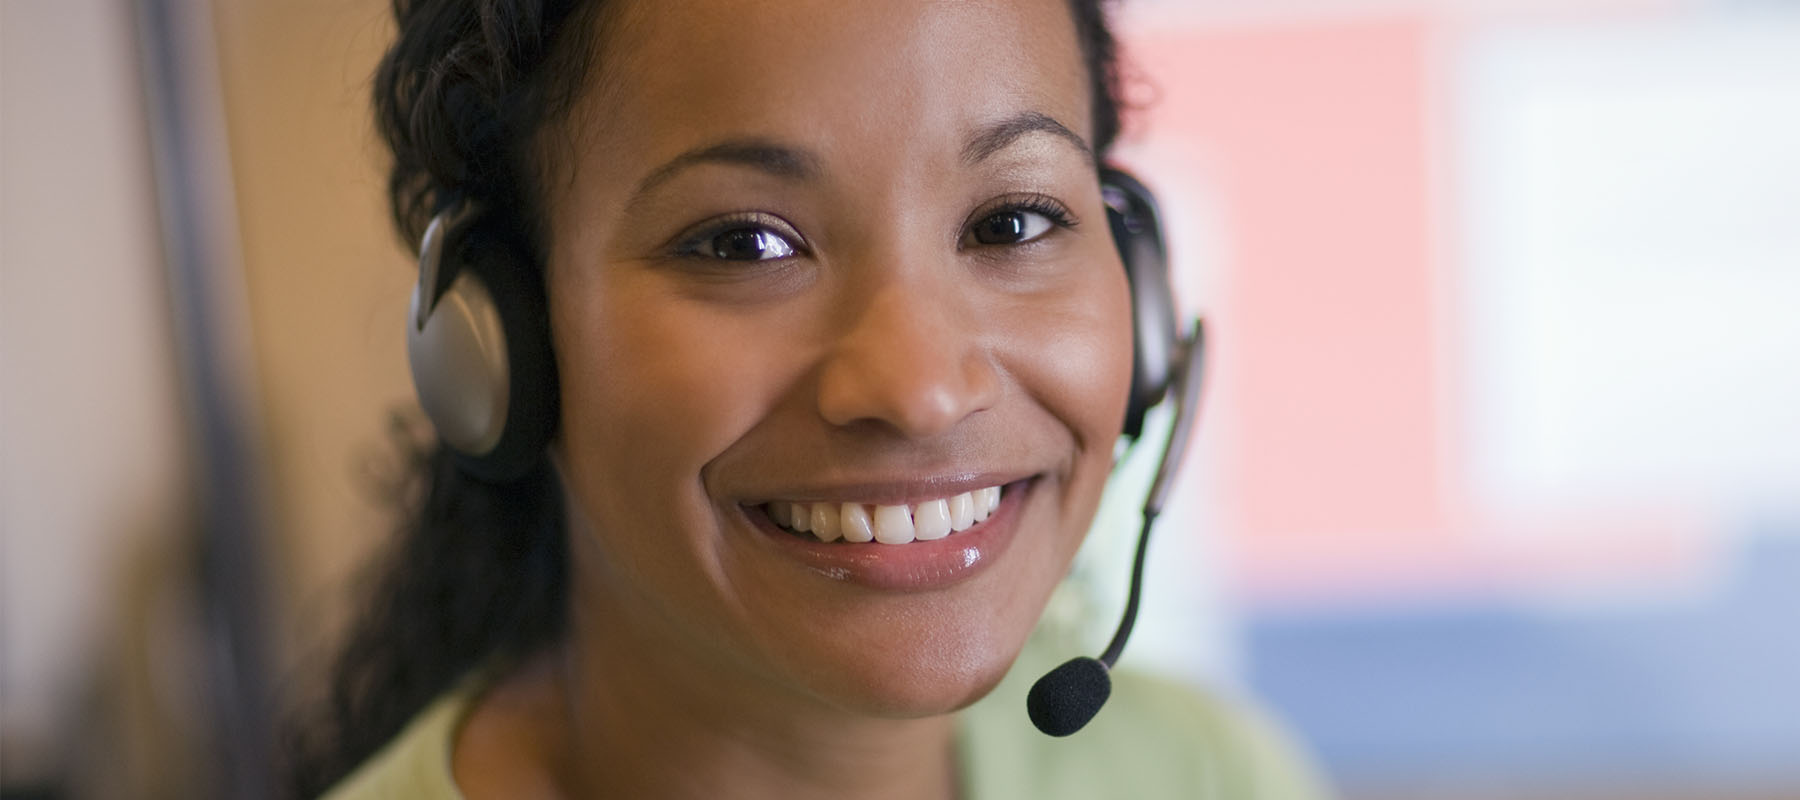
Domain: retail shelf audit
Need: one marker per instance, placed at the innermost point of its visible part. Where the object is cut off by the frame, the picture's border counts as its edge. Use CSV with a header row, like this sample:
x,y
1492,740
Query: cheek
x,y
651,392
1074,355
1081,373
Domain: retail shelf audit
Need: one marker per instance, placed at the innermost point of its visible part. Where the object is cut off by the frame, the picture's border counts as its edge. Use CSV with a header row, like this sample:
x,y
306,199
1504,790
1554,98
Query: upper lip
x,y
908,490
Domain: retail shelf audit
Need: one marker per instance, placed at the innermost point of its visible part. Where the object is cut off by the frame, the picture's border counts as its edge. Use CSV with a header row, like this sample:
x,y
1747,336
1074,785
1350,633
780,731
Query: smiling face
x,y
845,260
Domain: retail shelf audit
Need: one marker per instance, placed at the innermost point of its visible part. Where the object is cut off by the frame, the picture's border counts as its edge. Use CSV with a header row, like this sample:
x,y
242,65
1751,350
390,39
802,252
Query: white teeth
x,y
893,524
855,523
962,511
825,521
931,520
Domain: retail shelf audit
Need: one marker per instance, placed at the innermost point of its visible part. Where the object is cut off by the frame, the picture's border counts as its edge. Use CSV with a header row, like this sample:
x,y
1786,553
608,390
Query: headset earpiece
x,y
1156,343
479,346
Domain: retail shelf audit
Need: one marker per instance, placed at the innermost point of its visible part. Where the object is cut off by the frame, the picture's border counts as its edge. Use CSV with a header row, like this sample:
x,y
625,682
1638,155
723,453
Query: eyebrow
x,y
760,154
1001,135
796,164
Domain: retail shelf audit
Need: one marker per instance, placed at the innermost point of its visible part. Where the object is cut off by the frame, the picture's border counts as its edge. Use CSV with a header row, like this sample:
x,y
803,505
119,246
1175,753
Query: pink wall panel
x,y
1323,389
1341,467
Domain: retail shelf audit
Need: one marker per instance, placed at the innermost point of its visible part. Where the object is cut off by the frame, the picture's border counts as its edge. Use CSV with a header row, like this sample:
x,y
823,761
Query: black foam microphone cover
x,y
1067,697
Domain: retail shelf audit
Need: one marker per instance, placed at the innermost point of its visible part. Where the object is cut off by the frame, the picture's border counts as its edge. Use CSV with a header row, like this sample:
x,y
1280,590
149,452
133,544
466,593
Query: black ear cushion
x,y
1132,215
517,289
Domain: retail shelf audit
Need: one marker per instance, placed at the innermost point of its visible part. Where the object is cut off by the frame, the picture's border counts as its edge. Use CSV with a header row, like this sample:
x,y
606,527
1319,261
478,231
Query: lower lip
x,y
911,567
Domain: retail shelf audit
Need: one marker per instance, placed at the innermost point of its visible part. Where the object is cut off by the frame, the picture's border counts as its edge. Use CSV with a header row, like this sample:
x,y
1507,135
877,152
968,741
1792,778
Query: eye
x,y
745,243
740,237
1011,227
1018,222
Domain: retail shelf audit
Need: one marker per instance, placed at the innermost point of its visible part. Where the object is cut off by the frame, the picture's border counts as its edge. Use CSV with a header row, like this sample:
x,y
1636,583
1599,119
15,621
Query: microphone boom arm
x,y
1187,388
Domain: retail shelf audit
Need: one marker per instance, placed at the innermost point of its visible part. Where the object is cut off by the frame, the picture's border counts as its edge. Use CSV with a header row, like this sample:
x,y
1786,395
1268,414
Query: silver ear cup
x,y
459,365
1155,339
1157,344
478,341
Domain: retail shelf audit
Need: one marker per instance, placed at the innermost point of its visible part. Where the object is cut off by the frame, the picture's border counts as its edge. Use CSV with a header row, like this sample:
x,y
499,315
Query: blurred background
x,y
1497,490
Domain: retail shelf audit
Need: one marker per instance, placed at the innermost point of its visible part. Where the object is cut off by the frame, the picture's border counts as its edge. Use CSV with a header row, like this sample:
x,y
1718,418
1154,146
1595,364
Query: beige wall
x,y
94,488
326,278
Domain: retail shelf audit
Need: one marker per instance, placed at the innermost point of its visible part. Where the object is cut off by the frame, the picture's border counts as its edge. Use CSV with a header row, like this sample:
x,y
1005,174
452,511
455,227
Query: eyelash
x,y
1043,205
1036,203
689,245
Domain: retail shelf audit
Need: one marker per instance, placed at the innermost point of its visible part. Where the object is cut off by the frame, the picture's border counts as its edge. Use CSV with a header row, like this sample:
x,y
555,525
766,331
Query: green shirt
x,y
1154,739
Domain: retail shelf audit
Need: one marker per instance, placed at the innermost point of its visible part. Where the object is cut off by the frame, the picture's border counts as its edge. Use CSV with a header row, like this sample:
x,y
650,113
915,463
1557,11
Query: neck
x,y
648,718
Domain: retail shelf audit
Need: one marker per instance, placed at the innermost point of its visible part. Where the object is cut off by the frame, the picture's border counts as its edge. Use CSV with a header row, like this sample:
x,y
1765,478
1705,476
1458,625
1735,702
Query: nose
x,y
909,358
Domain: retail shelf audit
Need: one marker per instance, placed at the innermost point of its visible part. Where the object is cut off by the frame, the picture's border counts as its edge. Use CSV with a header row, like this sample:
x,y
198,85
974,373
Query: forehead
x,y
855,80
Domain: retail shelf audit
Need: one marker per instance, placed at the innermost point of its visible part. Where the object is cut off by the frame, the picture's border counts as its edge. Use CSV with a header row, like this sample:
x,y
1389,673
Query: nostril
x,y
907,359
918,400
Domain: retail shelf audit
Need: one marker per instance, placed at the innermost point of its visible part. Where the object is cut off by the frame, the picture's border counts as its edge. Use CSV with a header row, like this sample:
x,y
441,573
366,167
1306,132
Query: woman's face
x,y
848,256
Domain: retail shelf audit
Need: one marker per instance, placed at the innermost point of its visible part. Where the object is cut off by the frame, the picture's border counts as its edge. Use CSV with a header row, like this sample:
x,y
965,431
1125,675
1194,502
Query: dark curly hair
x,y
478,571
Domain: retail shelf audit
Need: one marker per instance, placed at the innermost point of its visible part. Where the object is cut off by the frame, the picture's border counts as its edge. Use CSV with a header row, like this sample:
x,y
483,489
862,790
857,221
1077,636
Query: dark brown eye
x,y
748,244
1016,226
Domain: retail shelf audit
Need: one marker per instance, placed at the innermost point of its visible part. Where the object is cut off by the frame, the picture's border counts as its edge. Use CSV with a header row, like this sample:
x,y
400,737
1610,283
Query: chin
x,y
939,673
929,691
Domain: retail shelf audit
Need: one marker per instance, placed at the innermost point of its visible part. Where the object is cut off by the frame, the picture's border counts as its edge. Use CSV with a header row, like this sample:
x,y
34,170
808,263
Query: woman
x,y
813,274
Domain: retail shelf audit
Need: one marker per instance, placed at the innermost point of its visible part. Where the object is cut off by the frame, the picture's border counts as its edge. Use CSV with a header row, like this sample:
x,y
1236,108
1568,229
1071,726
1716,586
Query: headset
x,y
478,342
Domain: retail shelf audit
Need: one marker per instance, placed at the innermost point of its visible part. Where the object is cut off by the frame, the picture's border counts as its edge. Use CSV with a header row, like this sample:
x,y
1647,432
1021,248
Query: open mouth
x,y
865,522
